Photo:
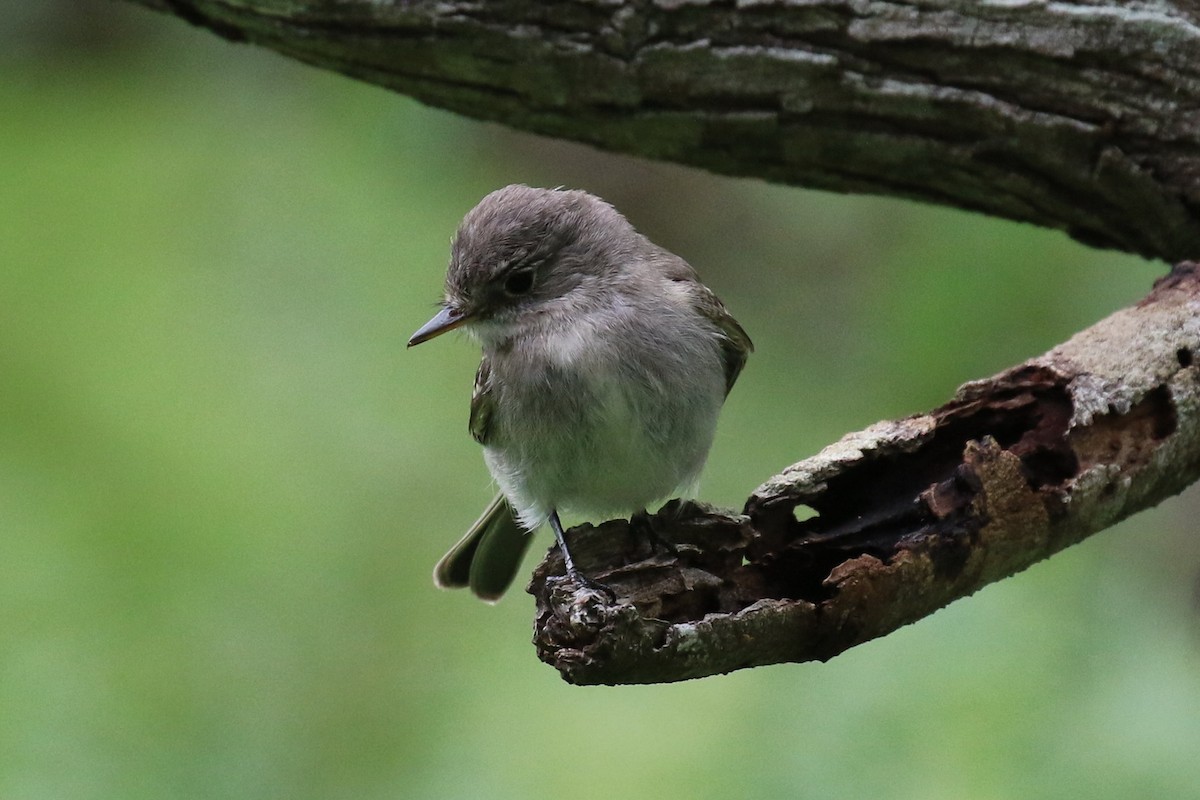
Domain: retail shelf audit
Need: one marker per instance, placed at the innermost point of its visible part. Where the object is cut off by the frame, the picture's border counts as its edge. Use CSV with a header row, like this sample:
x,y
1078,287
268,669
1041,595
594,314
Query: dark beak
x,y
447,319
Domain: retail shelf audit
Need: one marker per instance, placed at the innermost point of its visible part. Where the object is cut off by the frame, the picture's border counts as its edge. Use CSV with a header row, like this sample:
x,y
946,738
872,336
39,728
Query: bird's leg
x,y
641,523
573,571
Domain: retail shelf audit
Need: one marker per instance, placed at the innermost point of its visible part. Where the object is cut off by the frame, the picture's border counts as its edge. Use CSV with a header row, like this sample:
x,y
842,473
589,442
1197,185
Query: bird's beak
x,y
447,319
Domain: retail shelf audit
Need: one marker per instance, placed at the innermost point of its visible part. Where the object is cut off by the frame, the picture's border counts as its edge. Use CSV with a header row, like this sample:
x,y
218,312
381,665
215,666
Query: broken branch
x,y
899,519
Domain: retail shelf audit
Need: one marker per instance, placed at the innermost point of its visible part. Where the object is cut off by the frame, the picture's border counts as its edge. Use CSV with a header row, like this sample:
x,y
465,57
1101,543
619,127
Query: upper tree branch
x,y
1081,117
899,519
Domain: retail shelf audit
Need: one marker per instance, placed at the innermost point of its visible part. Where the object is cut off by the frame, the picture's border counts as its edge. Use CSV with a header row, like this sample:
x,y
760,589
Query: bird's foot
x,y
592,584
573,572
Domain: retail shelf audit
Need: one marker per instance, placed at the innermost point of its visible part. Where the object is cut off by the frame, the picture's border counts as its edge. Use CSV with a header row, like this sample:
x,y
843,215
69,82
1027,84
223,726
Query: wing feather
x,y
483,403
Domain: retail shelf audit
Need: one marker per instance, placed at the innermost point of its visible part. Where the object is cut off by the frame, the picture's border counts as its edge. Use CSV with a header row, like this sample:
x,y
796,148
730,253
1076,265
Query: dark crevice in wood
x,y
892,501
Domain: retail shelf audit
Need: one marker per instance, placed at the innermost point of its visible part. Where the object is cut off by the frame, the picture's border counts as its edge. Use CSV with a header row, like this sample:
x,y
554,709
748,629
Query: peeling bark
x,y
897,520
1084,117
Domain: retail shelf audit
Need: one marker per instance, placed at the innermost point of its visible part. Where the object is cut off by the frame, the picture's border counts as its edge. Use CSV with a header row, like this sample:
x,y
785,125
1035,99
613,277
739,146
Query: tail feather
x,y
488,556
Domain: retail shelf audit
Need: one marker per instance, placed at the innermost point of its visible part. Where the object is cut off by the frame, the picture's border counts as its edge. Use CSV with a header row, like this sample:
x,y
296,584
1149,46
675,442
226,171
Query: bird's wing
x,y
735,342
487,558
482,402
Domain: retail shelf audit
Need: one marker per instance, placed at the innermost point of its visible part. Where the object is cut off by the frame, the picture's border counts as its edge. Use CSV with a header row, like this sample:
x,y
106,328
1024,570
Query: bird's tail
x,y
488,556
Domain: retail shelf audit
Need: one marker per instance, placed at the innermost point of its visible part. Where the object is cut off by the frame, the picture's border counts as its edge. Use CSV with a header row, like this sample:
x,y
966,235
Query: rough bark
x,y
1083,117
897,520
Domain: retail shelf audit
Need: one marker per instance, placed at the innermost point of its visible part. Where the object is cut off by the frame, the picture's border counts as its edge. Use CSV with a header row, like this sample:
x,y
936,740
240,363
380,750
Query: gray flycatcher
x,y
605,365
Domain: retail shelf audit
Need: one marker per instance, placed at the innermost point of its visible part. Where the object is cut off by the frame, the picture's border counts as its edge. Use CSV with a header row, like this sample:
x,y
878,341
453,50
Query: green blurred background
x,y
224,482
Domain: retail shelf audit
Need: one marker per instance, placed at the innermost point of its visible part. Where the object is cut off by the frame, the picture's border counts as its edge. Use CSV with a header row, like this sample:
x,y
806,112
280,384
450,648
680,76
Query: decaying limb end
x,y
891,523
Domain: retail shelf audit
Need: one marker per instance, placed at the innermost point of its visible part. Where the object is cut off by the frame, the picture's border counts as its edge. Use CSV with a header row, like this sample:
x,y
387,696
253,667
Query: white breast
x,y
613,420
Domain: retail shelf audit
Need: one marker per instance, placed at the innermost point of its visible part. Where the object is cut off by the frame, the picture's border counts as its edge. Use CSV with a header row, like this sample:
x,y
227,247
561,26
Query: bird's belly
x,y
617,466
602,447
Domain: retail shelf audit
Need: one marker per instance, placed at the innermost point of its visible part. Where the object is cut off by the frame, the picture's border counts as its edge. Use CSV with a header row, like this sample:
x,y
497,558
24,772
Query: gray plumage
x,y
605,365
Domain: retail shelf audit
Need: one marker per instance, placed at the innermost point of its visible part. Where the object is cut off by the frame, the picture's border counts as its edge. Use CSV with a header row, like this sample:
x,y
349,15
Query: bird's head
x,y
523,253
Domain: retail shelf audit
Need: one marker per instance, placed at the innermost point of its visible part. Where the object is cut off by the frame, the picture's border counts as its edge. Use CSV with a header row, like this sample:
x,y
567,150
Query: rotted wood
x,y
1084,117
892,523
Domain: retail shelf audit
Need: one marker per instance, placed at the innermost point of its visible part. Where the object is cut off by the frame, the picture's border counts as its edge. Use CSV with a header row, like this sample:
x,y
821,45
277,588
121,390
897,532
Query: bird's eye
x,y
519,281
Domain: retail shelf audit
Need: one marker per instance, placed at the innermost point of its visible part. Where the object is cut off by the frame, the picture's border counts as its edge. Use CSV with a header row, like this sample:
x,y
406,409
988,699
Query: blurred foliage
x,y
223,481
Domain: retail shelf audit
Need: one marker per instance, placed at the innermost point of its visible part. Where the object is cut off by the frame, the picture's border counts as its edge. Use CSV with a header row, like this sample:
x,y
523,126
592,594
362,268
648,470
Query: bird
x,y
605,364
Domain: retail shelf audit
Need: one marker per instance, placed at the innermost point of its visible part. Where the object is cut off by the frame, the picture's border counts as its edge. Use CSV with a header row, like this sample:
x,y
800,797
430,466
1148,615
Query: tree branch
x,y
1080,117
899,519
